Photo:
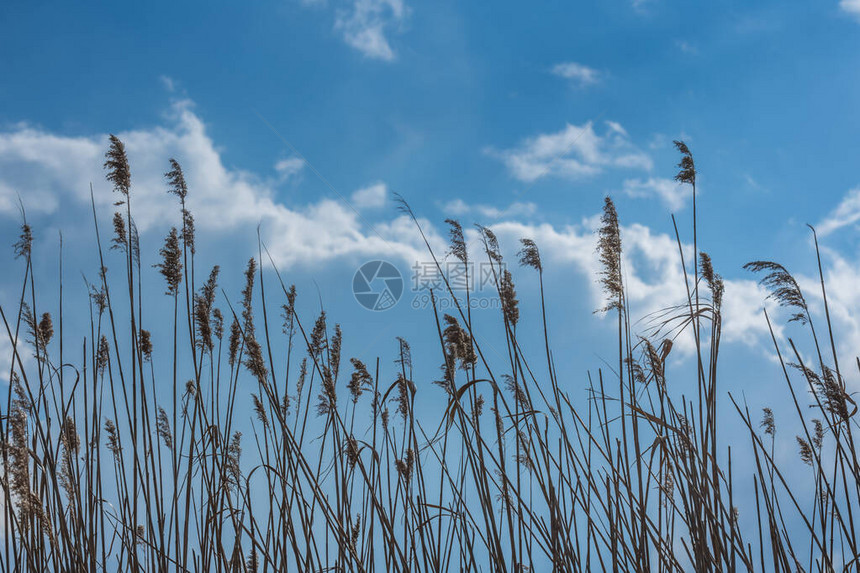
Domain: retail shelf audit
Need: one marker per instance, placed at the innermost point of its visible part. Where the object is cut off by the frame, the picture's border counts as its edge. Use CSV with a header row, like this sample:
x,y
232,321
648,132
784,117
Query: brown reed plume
x,y
191,445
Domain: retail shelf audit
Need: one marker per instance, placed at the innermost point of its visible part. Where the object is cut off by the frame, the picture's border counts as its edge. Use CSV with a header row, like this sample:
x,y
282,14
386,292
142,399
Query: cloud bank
x,y
53,172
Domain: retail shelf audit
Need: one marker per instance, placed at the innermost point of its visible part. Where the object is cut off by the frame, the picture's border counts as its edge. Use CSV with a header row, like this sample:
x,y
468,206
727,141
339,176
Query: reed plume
x,y
609,250
116,164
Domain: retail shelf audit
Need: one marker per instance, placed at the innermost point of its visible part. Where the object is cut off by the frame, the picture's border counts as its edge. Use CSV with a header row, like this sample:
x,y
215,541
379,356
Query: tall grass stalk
x,y
123,451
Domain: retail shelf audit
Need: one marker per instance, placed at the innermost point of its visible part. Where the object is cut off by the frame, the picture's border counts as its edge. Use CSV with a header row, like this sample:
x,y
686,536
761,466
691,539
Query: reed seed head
x,y
113,444
404,359
46,329
103,355
360,380
120,236
162,426
260,410
818,434
609,249
529,255
805,451
188,230
235,340
217,324
783,288
405,391
405,466
356,530
514,387
459,343
253,564
328,397
116,164
146,344
176,181
491,243
289,313
234,454
303,376
203,306
508,296
687,167
457,246
319,342
767,422
24,245
352,452
334,355
714,280
170,266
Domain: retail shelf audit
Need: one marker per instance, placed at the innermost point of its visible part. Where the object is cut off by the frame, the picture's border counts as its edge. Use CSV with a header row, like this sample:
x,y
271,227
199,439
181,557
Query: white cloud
x,y
459,208
289,167
366,23
577,73
851,6
653,275
40,167
744,322
846,213
841,278
168,83
6,356
575,152
370,197
673,195
228,199
54,170
456,207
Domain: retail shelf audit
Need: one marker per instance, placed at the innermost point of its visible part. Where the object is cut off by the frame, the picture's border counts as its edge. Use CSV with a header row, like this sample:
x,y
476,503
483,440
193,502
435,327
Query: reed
x,y
125,452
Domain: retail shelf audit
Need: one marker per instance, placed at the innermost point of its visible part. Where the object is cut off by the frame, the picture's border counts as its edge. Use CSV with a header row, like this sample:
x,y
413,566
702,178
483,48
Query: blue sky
x,y
306,116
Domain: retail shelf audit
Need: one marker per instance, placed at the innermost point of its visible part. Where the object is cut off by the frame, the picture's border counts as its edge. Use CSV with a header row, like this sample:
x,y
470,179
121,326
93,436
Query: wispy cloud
x,y
673,195
641,5
370,197
686,47
289,167
851,6
366,24
575,152
578,74
459,208
846,213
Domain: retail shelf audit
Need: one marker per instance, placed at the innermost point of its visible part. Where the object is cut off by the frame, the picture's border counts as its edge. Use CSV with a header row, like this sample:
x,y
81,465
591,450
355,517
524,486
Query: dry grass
x,y
107,466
